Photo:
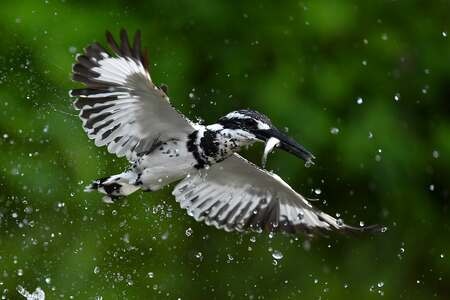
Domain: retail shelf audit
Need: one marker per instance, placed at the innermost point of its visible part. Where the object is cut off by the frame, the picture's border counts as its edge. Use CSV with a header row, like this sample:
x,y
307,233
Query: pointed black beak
x,y
286,143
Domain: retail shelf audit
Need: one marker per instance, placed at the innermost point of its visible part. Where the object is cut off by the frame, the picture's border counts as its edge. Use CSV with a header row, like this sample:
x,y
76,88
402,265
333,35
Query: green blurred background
x,y
365,85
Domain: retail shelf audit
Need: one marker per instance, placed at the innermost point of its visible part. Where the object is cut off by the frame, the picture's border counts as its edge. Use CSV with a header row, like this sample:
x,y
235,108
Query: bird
x,y
122,109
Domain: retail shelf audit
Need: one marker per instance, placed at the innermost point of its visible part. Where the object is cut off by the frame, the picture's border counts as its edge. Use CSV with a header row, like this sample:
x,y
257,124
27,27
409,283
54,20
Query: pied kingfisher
x,y
121,108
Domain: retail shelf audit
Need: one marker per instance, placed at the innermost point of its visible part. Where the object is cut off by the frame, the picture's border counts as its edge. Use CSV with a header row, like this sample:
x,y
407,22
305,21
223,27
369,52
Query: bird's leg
x,y
114,187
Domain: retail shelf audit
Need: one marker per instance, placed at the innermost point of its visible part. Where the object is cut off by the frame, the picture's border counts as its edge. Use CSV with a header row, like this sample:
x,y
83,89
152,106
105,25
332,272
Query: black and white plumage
x,y
122,109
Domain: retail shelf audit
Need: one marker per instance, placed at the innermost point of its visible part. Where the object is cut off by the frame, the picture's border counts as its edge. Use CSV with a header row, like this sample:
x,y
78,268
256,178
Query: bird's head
x,y
259,128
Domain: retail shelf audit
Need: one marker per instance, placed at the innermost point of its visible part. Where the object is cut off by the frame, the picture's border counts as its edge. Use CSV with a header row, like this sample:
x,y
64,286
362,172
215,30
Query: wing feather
x,y
120,106
237,195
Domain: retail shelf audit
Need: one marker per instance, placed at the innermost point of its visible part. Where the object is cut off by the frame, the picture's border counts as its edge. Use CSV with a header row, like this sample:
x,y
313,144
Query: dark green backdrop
x,y
382,159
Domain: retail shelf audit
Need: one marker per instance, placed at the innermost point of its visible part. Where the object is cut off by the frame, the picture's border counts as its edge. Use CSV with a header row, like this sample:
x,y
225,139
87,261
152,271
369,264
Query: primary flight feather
x,y
122,109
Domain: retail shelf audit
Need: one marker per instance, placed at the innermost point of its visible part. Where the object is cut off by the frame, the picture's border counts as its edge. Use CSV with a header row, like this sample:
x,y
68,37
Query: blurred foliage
x,y
382,159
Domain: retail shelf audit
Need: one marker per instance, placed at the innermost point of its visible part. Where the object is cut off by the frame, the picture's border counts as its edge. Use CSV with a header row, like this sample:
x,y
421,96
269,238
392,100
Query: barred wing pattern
x,y
120,107
237,195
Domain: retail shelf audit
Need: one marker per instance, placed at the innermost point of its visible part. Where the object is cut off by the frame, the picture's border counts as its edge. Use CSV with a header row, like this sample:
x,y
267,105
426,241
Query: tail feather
x,y
114,187
94,185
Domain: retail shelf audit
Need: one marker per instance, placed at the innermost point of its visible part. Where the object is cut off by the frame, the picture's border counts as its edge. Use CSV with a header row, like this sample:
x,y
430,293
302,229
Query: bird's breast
x,y
212,146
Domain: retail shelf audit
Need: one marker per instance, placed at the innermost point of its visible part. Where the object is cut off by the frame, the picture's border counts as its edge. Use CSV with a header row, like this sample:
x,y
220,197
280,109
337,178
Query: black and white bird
x,y
122,109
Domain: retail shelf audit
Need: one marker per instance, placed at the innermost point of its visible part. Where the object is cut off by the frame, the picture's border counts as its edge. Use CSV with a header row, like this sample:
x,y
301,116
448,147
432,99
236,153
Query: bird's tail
x,y
115,186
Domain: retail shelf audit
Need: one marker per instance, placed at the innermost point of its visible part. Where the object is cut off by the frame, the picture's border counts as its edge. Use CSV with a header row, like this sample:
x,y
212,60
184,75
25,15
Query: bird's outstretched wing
x,y
237,195
120,107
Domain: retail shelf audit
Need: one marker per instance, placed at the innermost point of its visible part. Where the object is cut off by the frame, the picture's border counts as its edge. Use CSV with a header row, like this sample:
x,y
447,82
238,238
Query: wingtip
x,y
137,35
123,35
108,33
371,229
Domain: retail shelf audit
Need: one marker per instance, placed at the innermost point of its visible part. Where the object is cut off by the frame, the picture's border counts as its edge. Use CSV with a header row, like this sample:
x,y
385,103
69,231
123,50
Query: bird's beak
x,y
275,138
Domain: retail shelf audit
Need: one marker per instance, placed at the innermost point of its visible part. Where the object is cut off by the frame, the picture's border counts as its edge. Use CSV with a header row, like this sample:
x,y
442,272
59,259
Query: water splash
x,y
38,294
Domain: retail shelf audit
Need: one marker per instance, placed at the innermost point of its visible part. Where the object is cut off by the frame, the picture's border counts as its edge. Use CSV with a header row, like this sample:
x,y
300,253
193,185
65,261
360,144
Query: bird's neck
x,y
213,143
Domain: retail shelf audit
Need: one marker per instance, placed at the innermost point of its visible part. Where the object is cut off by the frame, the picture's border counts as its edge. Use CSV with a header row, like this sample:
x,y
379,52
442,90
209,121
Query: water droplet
x,y
307,245
309,164
73,49
189,231
96,270
253,239
361,223
444,34
199,255
431,187
380,284
442,255
397,97
435,154
317,191
359,100
191,95
277,255
19,272
384,229
370,135
425,90
334,130
150,274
